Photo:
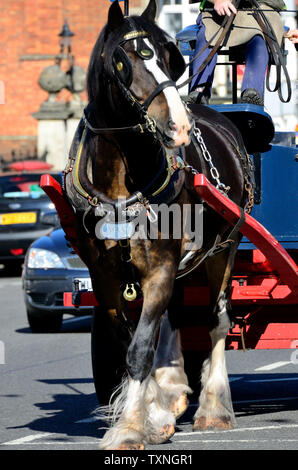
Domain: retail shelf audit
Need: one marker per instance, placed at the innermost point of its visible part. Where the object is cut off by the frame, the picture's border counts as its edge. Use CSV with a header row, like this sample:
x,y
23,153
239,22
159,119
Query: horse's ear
x,y
150,12
115,16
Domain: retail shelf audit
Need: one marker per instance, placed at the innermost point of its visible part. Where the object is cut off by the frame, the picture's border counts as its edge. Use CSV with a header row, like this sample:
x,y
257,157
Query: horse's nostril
x,y
172,125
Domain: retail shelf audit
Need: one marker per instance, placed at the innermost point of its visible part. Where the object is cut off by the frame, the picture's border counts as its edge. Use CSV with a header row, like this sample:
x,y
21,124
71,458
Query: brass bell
x,y
130,292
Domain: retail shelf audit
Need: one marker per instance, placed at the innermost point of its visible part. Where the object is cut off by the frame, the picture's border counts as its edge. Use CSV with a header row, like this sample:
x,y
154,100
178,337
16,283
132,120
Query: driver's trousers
x,y
256,61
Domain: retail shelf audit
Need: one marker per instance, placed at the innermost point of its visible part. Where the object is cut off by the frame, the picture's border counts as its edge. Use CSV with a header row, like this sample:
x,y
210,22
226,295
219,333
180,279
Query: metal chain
x,y
215,174
250,191
207,156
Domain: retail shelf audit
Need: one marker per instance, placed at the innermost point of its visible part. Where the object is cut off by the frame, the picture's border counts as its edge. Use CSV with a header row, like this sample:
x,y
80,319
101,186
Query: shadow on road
x,y
62,414
74,414
71,325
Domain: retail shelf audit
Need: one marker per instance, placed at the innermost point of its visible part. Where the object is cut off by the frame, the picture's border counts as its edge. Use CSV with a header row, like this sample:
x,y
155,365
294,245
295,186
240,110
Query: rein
x,y
270,39
225,26
148,125
276,53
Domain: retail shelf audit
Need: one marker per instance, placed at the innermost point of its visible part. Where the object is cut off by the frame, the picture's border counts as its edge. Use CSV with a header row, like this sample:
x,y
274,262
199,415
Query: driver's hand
x,y
224,7
292,35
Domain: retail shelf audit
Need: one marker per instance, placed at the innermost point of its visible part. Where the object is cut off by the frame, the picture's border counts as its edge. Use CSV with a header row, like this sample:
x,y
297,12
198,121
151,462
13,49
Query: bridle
x,y
122,62
81,182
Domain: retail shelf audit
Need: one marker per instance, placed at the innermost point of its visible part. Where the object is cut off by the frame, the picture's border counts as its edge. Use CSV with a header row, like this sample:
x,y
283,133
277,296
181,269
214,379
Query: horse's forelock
x,y
135,23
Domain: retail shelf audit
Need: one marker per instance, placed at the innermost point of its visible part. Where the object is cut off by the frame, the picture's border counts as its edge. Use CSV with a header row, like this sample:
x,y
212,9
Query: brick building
x,y
28,43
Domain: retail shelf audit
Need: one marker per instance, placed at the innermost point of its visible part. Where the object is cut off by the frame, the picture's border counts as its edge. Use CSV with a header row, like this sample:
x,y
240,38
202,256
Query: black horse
x,y
135,150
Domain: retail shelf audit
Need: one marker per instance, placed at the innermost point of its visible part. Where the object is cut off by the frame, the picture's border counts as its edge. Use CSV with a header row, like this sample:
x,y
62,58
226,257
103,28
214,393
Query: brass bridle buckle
x,y
150,123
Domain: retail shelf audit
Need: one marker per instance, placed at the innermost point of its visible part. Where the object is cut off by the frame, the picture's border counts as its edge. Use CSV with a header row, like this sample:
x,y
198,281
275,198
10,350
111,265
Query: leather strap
x,y
276,53
226,25
272,44
157,91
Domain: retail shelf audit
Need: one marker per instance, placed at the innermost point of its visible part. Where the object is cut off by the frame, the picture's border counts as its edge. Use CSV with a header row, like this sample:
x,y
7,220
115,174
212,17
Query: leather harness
x,y
166,191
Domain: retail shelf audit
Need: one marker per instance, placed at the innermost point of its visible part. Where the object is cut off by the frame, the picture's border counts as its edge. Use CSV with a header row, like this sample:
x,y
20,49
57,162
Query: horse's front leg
x,y
144,416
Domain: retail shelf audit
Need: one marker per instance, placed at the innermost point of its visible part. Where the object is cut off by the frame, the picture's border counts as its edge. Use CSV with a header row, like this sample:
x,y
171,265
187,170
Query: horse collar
x,y
159,190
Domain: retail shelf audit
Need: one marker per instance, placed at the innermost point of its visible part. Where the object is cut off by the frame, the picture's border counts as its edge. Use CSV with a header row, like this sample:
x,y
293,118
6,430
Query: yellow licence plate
x,y
18,218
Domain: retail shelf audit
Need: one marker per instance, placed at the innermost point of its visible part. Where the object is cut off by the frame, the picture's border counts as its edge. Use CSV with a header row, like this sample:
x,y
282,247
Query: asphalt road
x,y
48,398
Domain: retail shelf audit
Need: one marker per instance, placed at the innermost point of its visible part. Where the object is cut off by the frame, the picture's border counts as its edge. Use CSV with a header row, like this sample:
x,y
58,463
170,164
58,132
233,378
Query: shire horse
x,y
133,148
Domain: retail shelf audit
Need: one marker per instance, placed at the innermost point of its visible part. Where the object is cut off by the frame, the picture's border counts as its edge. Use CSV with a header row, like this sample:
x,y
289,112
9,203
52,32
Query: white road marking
x,y
26,439
252,429
201,441
62,442
29,439
207,441
274,365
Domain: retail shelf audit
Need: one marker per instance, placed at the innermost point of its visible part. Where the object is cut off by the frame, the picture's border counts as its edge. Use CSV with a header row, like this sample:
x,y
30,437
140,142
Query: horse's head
x,y
142,64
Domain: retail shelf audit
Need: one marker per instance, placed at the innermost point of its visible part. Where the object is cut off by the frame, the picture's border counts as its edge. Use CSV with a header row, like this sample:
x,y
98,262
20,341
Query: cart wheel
x,y
45,323
109,343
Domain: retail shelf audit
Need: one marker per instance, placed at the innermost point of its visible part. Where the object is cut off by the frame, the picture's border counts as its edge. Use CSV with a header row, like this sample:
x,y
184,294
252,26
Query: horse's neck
x,y
143,156
125,164
124,156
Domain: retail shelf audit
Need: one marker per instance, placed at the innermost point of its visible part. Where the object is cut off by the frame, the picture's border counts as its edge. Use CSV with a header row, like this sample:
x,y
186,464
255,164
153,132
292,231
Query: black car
x,y
26,213
51,267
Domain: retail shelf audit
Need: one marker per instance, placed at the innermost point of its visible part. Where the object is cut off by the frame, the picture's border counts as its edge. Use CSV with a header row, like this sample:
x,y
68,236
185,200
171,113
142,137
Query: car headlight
x,y
43,259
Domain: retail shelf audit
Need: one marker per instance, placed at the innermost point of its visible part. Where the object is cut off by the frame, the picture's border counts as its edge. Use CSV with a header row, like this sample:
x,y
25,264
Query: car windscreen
x,y
21,187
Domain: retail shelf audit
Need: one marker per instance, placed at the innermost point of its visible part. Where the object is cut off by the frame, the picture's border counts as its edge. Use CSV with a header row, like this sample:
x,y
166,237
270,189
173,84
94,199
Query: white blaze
x,y
176,108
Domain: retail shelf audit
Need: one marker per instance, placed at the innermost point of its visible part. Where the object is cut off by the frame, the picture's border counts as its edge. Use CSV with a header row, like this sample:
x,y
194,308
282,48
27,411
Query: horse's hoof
x,y
179,406
130,445
203,423
163,434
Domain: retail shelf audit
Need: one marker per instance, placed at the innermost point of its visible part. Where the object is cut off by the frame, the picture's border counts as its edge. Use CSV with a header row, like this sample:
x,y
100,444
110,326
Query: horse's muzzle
x,y
177,135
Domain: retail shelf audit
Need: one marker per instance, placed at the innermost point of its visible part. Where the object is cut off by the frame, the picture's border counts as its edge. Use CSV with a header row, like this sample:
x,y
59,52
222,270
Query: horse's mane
x,y
107,42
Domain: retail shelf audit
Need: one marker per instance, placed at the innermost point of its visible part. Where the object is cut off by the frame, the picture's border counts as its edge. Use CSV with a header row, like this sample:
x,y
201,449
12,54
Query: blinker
x,y
146,52
122,66
143,50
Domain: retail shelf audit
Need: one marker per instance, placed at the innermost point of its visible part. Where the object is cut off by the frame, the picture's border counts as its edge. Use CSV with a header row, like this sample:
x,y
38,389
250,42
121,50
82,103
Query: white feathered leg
x,y
129,409
139,415
215,404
